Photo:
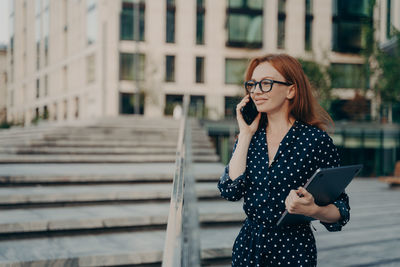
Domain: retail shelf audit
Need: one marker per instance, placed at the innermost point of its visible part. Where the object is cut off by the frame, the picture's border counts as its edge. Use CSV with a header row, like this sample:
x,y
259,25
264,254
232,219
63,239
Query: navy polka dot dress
x,y
260,242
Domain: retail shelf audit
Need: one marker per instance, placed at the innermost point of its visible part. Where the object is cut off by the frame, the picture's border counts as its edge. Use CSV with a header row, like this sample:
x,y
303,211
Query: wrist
x,y
314,211
245,136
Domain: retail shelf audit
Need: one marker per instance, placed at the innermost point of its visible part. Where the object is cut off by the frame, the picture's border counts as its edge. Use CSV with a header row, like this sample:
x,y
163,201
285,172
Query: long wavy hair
x,y
304,106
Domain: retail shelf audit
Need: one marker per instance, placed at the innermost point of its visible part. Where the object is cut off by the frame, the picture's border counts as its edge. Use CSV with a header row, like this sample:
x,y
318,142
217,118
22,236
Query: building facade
x,y
81,59
3,83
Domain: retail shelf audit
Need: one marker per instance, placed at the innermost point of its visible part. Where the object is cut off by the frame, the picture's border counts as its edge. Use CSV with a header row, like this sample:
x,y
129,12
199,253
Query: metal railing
x,y
182,243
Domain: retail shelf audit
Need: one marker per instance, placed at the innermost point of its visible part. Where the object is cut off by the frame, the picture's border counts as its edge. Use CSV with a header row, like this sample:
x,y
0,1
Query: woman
x,y
271,161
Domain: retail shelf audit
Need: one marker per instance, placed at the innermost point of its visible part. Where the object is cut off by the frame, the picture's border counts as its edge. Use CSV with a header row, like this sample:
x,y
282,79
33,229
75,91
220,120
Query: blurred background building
x,y
3,83
76,59
72,60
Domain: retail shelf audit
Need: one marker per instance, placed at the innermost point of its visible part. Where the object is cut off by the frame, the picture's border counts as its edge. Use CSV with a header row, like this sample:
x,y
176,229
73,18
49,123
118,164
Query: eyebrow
x,y
266,77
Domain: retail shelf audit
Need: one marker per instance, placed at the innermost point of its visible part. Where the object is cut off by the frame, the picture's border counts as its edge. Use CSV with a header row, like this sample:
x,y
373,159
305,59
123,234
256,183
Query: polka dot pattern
x,y
264,188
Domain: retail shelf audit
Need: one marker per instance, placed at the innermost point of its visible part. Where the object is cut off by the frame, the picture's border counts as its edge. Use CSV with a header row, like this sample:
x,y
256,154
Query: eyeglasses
x,y
265,85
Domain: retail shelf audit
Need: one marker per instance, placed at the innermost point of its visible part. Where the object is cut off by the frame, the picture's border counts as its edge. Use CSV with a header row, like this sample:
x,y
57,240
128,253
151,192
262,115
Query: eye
x,y
250,84
265,82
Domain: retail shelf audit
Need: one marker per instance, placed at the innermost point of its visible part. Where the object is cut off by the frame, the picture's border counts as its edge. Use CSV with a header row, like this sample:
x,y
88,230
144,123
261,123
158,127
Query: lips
x,y
260,100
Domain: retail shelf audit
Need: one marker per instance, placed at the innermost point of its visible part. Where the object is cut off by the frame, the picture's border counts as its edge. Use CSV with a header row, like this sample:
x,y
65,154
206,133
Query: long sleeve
x,y
328,157
229,189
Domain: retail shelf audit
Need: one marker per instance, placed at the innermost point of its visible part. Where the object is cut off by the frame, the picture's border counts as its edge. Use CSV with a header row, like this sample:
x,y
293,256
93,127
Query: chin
x,y
262,108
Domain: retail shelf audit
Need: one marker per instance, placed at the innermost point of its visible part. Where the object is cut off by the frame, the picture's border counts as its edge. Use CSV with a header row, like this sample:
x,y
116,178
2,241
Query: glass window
x,y
45,113
46,22
170,69
170,38
91,21
46,85
234,70
350,21
230,106
389,22
199,69
37,88
38,30
350,7
347,76
11,34
200,22
90,68
127,103
127,63
309,24
245,23
65,78
197,106
309,7
128,20
65,109
281,23
76,107
256,4
170,102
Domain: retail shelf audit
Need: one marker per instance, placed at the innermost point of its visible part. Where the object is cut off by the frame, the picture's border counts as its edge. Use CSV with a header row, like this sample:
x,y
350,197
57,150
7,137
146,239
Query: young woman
x,y
271,161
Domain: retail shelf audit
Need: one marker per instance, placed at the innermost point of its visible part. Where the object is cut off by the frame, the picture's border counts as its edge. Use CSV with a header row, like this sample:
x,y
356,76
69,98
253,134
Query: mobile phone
x,y
249,111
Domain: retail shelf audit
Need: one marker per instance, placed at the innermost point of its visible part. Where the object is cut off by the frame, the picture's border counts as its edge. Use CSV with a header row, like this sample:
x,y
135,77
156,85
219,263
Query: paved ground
x,y
371,238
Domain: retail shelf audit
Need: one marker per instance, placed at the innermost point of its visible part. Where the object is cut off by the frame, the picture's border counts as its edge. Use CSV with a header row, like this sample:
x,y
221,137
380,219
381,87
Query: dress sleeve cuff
x,y
231,189
344,217
226,179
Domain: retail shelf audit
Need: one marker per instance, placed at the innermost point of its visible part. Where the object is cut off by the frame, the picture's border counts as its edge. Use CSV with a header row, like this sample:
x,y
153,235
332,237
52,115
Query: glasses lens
x,y
250,86
266,85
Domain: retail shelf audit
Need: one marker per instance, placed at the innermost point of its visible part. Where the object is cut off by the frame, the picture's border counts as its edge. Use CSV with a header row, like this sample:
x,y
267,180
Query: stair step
x,y
96,193
132,248
111,143
109,216
91,172
12,158
99,150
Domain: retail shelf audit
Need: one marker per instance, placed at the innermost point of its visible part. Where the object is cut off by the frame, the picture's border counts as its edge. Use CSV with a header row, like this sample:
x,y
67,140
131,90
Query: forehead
x,y
265,69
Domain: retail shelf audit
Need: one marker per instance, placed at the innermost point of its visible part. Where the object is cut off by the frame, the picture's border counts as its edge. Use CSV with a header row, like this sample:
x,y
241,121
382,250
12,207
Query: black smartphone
x,y
249,111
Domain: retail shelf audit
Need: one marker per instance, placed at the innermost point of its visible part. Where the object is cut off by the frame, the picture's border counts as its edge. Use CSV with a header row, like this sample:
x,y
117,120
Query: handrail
x,y
182,246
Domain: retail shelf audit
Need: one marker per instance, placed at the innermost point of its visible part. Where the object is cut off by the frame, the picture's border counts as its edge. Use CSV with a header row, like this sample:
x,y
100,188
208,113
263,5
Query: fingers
x,y
303,191
293,202
242,103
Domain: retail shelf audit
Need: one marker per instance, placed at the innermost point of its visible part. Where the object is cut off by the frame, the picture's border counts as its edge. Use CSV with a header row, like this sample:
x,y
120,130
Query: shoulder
x,y
314,135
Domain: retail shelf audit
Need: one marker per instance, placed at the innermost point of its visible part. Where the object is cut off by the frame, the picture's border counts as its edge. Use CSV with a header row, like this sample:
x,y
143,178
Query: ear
x,y
291,93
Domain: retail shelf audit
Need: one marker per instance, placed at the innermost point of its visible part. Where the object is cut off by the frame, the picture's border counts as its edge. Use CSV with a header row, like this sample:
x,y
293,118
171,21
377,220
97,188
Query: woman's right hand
x,y
244,128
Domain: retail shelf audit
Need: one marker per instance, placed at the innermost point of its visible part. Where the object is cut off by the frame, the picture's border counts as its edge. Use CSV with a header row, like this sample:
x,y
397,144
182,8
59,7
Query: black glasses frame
x,y
263,80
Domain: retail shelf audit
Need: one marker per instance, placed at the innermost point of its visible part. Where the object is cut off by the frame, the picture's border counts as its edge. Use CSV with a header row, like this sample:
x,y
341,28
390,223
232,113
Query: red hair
x,y
304,106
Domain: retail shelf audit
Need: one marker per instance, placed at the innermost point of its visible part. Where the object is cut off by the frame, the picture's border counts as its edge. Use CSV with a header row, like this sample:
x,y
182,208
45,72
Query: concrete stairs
x,y
105,213
120,140
57,209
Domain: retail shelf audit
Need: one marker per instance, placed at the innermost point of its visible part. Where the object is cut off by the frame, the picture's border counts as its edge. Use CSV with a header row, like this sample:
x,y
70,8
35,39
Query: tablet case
x,y
325,185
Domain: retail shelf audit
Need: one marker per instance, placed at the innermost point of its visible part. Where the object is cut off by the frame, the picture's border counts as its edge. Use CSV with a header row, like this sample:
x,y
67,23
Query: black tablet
x,y
325,185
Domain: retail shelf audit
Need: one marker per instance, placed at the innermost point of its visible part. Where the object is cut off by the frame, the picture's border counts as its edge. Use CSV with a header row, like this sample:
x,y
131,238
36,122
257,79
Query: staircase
x,y
99,194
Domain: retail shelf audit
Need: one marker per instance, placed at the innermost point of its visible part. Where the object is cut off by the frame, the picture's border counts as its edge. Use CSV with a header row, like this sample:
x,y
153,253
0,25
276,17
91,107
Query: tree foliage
x,y
320,79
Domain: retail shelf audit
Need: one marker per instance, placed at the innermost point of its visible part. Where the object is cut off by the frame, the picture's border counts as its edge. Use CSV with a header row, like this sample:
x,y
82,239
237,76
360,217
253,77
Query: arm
x,y
232,182
332,216
233,189
237,164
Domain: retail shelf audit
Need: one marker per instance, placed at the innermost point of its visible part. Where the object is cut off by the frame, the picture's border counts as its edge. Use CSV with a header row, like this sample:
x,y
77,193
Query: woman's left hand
x,y
304,205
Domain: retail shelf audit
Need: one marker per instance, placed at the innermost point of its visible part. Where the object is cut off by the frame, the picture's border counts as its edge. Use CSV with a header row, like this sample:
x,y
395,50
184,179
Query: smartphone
x,y
249,111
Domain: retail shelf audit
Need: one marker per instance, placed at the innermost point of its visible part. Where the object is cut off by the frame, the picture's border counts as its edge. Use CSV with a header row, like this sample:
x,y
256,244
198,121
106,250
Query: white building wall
x,y
101,98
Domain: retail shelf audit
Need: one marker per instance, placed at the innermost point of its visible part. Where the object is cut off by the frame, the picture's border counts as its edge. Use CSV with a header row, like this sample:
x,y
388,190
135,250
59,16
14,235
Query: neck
x,y
279,122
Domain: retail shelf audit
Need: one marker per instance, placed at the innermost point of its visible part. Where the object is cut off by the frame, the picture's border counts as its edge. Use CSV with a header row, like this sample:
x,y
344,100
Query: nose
x,y
257,89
